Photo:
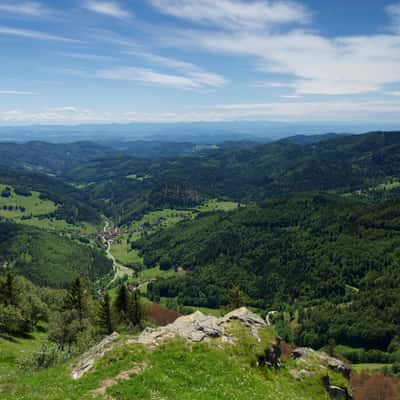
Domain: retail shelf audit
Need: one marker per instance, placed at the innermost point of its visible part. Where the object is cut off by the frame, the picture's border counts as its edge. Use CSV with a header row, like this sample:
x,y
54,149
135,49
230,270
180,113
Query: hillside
x,y
306,250
343,164
73,205
47,259
50,158
222,364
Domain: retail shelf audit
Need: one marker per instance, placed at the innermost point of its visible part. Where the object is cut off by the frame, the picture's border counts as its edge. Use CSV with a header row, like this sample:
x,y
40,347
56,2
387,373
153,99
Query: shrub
x,y
47,356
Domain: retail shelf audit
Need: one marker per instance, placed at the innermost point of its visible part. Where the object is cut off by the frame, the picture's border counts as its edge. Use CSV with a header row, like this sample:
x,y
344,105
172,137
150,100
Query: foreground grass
x,y
176,370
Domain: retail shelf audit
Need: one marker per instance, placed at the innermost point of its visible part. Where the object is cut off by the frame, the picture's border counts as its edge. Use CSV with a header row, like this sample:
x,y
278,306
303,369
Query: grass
x,y
218,205
176,370
370,367
33,204
123,252
155,273
38,210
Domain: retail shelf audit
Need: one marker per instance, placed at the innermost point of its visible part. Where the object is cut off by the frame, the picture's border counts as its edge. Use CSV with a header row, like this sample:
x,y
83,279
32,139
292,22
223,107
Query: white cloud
x,y
232,14
394,14
17,93
291,96
29,34
109,8
316,64
85,56
349,111
394,93
32,9
148,76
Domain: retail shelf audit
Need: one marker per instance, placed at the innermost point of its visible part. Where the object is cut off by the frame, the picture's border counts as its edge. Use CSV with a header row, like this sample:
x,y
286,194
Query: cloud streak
x,y
147,76
17,93
109,8
233,14
31,9
30,34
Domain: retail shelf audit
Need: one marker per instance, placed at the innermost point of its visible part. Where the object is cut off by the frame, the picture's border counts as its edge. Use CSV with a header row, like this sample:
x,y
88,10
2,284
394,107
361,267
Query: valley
x,y
282,227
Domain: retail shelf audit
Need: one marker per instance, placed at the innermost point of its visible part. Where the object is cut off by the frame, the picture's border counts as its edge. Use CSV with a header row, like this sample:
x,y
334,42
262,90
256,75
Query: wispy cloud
x,y
232,14
315,64
17,93
85,56
110,8
151,77
30,34
394,14
32,9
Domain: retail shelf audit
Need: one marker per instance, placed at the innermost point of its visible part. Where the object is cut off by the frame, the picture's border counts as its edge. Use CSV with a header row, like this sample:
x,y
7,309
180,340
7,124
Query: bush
x,y
47,356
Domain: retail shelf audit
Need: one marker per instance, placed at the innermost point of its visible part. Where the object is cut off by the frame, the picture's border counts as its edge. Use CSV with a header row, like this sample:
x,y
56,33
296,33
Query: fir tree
x,y
77,299
122,302
135,310
105,316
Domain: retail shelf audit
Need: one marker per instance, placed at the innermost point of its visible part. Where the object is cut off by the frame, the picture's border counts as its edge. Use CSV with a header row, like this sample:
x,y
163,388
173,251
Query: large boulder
x,y
198,327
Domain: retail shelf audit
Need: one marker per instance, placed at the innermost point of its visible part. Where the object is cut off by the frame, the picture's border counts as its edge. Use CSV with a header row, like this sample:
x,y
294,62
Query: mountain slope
x,y
304,250
46,258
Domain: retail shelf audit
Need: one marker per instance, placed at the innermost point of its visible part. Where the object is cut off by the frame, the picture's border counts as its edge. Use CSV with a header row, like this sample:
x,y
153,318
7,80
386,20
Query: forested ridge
x,y
311,251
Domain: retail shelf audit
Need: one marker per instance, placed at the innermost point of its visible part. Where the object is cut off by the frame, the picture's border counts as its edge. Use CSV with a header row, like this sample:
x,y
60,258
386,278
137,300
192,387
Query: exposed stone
x,y
335,392
324,359
198,327
299,374
91,356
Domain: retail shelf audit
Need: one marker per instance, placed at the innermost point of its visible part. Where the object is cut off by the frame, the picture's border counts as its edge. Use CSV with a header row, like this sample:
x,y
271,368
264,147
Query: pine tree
x,y
77,299
9,291
122,302
105,315
135,310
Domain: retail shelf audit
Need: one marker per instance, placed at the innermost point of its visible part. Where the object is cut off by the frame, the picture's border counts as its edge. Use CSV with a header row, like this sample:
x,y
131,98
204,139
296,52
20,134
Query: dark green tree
x,y
135,310
121,303
105,319
77,299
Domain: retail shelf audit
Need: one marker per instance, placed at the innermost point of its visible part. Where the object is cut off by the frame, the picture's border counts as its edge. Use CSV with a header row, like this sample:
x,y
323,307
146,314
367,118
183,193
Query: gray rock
x,y
91,356
324,359
198,327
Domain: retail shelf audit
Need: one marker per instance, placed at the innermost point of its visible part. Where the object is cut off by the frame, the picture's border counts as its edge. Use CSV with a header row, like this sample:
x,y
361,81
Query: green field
x,y
123,252
36,213
33,205
370,367
218,205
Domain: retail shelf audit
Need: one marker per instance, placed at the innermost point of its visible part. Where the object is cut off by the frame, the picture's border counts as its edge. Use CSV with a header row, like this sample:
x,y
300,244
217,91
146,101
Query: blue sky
x,y
199,60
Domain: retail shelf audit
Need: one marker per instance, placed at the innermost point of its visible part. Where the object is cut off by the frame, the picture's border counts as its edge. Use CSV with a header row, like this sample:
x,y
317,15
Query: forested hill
x,y
48,259
73,204
50,158
344,164
305,250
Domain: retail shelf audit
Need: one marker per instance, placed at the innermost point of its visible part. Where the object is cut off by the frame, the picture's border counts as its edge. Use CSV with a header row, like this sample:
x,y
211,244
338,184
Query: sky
x,y
92,61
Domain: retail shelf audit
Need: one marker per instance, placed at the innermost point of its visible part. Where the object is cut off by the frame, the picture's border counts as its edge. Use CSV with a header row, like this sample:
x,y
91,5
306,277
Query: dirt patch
x,y
123,376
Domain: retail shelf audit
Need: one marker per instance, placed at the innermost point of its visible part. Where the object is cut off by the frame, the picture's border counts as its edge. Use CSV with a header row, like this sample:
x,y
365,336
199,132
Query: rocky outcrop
x,y
335,392
323,359
198,327
91,356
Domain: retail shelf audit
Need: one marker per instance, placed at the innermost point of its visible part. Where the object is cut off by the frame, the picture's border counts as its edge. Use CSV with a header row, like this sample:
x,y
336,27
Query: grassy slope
x,y
174,371
38,209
